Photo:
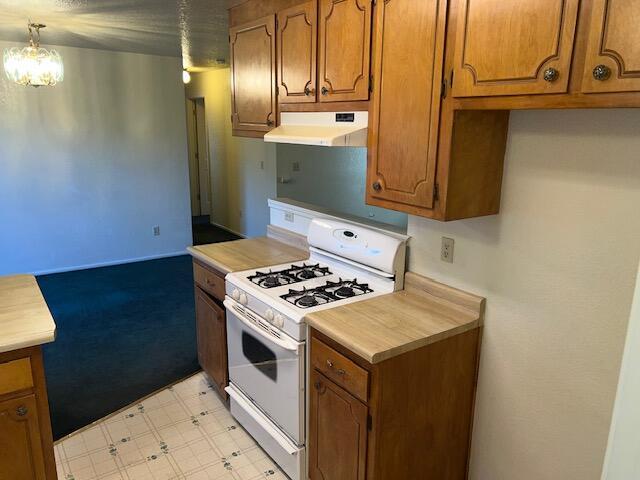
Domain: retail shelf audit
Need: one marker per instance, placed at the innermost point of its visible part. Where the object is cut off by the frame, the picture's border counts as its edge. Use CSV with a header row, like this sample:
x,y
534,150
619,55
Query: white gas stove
x,y
266,331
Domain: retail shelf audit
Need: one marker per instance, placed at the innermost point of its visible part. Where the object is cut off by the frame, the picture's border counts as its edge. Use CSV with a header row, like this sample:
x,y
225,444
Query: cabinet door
x,y
297,39
514,47
338,432
253,75
613,49
21,453
212,339
344,50
408,45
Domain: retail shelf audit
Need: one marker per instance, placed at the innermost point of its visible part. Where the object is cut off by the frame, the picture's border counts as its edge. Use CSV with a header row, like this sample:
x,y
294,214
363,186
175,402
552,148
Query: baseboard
x,y
227,229
110,263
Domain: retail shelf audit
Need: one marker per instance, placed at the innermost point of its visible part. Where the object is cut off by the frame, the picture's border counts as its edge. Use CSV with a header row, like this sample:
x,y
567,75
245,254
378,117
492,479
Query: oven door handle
x,y
286,343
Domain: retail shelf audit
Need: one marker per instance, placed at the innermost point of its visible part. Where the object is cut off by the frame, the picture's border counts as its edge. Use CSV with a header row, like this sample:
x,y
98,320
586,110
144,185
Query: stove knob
x,y
235,294
278,321
244,299
269,315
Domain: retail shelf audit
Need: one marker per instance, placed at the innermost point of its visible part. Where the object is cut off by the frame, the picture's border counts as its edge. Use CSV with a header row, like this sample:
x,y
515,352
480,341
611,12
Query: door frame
x,y
200,185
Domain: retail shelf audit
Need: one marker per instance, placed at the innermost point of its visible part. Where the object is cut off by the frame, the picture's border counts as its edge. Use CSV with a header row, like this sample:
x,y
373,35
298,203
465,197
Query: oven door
x,y
268,367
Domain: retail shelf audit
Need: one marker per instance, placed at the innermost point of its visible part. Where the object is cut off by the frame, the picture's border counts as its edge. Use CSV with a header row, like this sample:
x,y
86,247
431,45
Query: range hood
x,y
325,129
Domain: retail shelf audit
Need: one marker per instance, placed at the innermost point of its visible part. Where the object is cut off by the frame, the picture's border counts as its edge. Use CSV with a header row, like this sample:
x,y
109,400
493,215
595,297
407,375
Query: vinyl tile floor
x,y
182,432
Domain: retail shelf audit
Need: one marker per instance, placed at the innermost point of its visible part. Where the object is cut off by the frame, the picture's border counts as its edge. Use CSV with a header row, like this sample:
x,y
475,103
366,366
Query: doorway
x,y
199,167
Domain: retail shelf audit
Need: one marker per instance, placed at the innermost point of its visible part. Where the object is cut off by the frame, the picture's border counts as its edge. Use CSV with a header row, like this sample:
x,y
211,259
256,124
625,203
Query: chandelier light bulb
x,y
33,65
186,76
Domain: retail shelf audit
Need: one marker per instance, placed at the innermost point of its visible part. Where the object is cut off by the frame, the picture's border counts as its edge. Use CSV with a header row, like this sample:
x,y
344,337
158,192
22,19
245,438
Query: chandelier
x,y
33,65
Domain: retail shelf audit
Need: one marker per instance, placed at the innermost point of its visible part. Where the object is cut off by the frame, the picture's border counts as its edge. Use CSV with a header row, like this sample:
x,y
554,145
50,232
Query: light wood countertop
x,y
246,254
25,319
389,325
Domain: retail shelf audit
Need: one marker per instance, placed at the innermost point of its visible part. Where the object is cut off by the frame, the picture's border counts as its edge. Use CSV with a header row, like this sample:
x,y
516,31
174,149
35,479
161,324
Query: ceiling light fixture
x,y
33,65
186,76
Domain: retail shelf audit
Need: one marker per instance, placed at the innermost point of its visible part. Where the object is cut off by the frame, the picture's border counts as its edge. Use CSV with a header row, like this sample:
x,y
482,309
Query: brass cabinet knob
x,y
21,411
309,91
377,186
601,72
551,75
318,385
325,91
270,123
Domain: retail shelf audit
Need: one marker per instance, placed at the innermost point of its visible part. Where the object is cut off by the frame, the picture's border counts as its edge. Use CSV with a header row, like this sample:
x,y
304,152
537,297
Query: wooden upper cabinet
x,y
338,432
514,47
253,75
344,50
613,48
403,135
297,48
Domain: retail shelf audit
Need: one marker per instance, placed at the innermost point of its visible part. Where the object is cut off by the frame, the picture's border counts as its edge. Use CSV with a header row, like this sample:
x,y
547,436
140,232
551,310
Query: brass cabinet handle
x,y
601,73
377,186
332,367
21,411
325,91
551,75
309,91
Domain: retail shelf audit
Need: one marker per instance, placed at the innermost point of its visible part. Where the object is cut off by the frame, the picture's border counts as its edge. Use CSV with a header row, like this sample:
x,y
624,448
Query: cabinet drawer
x,y
340,369
209,281
15,376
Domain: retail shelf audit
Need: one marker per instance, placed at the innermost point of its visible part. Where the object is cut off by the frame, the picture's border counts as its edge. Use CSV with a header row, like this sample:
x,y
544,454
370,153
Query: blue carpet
x,y
123,332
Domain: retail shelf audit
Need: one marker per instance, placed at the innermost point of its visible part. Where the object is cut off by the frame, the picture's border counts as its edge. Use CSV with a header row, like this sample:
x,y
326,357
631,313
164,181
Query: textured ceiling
x,y
196,30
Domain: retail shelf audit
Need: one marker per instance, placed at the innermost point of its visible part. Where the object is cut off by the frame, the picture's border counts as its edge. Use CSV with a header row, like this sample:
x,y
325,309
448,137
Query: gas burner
x,y
346,289
308,298
307,272
271,279
294,274
331,292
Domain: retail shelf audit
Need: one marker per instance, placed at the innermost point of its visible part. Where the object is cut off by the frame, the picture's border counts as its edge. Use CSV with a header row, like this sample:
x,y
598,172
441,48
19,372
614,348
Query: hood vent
x,y
324,129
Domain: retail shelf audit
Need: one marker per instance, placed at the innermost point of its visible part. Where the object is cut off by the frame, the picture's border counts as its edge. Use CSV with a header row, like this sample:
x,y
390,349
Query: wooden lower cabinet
x,y
415,422
211,325
338,431
26,445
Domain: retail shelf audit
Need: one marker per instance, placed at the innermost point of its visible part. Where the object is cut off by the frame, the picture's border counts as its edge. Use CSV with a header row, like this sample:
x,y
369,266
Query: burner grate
x,y
330,292
293,274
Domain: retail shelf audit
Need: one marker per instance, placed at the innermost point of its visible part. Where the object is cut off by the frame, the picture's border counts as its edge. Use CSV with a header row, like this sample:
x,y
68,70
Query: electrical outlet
x,y
446,254
156,231
288,216
295,166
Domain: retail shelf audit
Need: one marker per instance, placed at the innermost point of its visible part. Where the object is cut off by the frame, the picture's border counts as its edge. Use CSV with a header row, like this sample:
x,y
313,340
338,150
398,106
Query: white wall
x,y
623,454
243,170
89,166
558,268
333,178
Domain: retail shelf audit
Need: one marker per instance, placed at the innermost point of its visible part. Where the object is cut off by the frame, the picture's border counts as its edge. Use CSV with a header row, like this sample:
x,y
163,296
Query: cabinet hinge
x,y
370,83
369,422
436,192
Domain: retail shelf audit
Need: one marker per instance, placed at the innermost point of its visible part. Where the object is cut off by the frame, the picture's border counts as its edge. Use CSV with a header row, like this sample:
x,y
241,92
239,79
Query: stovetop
x,y
284,294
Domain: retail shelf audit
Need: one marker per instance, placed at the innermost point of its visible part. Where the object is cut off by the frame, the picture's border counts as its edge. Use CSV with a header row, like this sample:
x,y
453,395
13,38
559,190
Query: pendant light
x,y
33,65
